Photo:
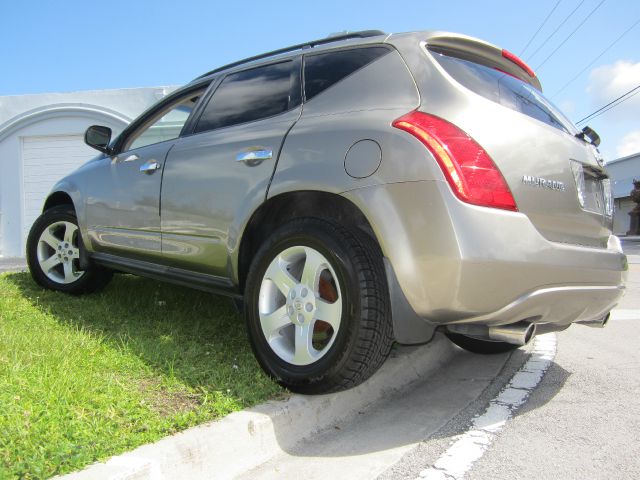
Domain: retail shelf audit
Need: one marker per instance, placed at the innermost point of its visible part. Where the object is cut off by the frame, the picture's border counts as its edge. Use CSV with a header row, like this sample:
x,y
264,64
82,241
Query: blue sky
x,y
79,45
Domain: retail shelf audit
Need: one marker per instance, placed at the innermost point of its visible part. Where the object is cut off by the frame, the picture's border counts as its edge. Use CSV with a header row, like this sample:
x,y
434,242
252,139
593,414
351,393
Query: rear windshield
x,y
506,90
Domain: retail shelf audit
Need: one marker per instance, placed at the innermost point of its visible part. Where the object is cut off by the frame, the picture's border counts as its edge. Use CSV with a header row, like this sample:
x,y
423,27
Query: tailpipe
x,y
597,323
519,333
516,334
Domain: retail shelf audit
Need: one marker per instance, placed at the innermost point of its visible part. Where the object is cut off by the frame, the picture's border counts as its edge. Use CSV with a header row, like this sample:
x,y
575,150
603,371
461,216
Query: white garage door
x,y
44,161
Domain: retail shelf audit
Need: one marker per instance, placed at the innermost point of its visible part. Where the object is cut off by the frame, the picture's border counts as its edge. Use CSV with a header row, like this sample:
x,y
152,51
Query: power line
x,y
596,59
610,103
614,106
571,34
554,32
544,22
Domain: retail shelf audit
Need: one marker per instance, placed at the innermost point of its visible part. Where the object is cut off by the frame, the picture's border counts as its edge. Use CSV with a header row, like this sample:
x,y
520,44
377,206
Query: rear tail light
x,y
468,168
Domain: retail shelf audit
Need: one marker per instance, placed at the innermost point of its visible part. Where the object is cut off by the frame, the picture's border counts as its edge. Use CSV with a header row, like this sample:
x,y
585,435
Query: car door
x,y
216,176
123,194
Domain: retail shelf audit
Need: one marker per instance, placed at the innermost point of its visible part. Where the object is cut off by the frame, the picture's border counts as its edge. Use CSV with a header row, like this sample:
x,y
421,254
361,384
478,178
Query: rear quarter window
x,y
506,90
323,70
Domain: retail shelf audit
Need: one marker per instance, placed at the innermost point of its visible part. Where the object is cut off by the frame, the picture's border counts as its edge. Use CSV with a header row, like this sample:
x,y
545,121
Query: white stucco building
x,y
623,171
41,140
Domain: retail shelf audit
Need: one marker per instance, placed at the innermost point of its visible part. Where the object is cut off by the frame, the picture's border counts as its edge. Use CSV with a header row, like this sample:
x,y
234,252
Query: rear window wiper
x,y
589,135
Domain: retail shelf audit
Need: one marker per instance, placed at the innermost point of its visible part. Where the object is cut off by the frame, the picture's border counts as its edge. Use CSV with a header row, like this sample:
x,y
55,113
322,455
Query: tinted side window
x,y
251,95
505,90
323,70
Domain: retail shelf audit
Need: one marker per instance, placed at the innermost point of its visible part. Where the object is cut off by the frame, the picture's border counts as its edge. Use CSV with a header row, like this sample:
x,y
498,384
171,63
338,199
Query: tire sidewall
x,y
317,236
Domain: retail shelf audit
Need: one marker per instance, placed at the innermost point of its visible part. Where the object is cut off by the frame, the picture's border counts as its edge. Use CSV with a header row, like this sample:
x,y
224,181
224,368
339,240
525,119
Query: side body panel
x,y
361,106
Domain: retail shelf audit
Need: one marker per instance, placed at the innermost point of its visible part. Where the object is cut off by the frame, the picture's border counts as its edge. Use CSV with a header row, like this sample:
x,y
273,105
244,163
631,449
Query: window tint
x,y
505,90
323,70
251,95
165,125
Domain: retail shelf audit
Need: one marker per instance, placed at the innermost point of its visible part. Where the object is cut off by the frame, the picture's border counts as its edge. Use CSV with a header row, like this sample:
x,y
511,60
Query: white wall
x,y
622,172
621,219
47,115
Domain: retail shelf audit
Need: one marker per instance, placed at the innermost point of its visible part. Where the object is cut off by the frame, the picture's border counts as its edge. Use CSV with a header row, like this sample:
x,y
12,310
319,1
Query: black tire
x,y
484,347
90,280
365,334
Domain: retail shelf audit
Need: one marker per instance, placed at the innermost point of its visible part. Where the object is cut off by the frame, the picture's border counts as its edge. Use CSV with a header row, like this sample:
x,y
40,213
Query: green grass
x,y
84,378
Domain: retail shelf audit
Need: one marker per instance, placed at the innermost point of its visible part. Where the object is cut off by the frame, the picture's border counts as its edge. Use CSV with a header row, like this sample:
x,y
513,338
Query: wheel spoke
x,y
304,351
273,322
278,274
49,263
75,254
313,266
48,238
329,312
69,276
69,230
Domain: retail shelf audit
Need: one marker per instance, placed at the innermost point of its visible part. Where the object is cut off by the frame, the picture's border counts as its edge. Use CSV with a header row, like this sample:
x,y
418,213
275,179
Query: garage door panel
x,y
46,159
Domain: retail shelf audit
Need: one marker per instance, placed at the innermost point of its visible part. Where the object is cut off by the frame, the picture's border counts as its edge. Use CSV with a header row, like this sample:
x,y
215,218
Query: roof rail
x,y
300,46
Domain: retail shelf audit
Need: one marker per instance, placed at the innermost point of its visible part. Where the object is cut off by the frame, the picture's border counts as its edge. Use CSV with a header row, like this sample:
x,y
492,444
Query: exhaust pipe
x,y
516,333
597,323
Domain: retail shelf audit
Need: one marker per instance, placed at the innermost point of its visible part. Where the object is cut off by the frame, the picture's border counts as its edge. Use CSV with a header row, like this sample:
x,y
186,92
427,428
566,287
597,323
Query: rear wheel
x,y
53,254
475,345
317,308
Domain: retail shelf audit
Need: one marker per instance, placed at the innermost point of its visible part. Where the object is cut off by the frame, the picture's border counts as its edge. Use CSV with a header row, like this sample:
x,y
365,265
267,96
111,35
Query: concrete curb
x,y
243,440
12,264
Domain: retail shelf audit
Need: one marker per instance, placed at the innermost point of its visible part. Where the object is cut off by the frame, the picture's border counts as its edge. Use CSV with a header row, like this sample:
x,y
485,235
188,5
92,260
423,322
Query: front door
x,y
218,175
123,196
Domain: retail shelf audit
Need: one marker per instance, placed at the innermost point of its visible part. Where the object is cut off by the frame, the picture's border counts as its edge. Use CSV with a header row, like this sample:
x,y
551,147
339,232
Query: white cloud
x,y
629,144
608,82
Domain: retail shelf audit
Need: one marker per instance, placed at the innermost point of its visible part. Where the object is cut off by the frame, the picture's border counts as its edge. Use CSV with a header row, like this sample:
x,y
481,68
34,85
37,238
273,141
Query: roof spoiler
x,y
477,51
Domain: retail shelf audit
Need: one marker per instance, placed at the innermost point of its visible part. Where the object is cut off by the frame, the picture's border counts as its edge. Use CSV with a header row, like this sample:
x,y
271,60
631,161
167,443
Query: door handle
x,y
149,167
257,155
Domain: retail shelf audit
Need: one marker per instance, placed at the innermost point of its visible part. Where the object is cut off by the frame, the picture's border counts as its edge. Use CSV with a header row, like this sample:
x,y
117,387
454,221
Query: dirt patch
x,y
166,402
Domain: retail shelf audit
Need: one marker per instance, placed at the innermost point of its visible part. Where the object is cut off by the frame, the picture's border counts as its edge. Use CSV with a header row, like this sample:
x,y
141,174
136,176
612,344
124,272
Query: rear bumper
x,y
458,263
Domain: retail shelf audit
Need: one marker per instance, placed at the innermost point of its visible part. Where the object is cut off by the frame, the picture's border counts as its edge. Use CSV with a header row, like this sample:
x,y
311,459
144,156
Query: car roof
x,y
333,40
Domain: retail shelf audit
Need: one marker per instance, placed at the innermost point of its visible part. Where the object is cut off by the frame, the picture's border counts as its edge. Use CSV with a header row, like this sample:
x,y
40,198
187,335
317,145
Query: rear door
x,y
218,175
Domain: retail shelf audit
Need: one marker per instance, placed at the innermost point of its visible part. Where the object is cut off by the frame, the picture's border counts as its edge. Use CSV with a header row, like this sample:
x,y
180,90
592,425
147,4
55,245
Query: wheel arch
x,y
286,206
56,199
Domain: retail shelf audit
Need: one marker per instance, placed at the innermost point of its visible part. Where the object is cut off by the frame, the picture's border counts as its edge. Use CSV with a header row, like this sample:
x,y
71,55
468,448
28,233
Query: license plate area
x,y
594,193
593,189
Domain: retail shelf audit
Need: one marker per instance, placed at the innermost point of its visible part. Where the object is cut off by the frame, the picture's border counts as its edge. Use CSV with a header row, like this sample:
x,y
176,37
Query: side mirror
x,y
98,137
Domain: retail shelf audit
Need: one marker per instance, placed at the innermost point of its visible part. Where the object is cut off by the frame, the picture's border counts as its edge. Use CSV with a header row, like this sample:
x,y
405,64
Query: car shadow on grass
x,y
192,340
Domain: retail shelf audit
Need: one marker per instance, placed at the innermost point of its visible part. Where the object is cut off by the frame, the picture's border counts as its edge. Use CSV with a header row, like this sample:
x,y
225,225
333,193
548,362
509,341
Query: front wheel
x,y
317,307
53,254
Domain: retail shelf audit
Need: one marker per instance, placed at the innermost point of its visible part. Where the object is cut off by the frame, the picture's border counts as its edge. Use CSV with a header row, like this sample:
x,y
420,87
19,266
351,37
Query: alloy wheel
x,y
300,305
58,252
